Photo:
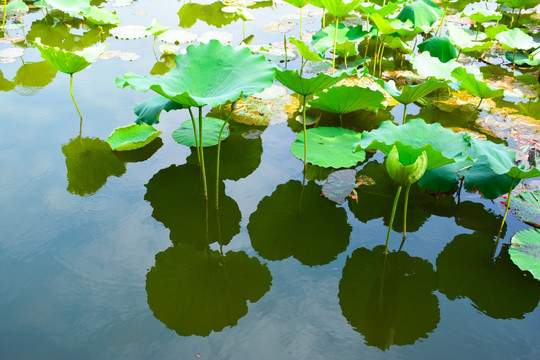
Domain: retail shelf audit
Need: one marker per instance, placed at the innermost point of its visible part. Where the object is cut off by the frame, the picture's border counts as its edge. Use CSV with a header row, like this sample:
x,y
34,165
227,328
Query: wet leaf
x,y
526,206
525,251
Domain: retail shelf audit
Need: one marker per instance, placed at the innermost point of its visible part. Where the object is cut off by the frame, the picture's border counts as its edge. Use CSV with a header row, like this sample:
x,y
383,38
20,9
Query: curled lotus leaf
x,y
475,86
148,112
438,47
386,26
423,14
208,74
345,99
525,251
67,61
132,137
467,40
156,28
403,168
211,127
305,51
324,38
307,86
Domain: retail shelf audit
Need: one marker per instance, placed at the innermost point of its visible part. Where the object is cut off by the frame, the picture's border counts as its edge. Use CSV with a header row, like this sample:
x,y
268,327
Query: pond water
x,y
103,254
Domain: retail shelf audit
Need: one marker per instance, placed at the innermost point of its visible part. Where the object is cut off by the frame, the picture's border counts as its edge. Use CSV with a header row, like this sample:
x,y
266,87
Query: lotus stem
x,y
233,106
507,207
340,120
4,15
479,103
73,97
381,56
404,121
301,23
195,135
243,29
405,206
375,52
154,48
514,63
335,41
323,17
517,20
202,154
305,133
512,21
285,48
443,17
394,207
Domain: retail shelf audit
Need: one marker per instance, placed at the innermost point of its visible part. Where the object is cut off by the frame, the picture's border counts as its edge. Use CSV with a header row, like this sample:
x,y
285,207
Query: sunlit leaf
x,y
525,251
440,48
526,206
148,112
345,99
132,137
70,62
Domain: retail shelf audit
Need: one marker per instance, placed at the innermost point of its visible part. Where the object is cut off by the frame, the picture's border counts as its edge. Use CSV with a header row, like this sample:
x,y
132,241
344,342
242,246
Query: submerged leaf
x,y
339,185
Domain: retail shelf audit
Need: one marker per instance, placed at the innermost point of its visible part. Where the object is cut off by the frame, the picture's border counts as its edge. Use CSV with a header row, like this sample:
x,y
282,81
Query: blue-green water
x,y
122,272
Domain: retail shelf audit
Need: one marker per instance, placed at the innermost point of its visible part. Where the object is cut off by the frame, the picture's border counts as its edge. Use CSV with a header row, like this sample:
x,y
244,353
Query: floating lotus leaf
x,y
177,36
14,52
223,37
280,27
481,15
72,7
132,137
526,206
70,62
101,16
129,32
329,147
427,65
89,163
177,198
497,288
525,251
208,74
474,86
263,111
148,112
156,28
211,128
340,8
305,51
412,93
441,145
405,168
197,292
386,26
299,222
440,48
467,40
339,185
423,14
345,99
389,299
307,86
516,39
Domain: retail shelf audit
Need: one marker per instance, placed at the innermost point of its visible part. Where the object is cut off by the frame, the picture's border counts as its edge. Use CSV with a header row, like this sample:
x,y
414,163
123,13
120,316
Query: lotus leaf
x,y
298,3
70,62
525,251
129,32
305,51
177,36
339,185
481,14
386,26
340,8
211,128
297,221
493,30
518,4
427,65
405,169
442,145
516,39
395,306
195,292
440,48
263,112
324,38
423,14
101,16
496,287
395,42
307,86
371,8
467,40
156,28
526,206
412,93
132,137
148,112
474,86
35,75
16,5
89,163
72,7
329,147
522,59
177,198
345,99
208,74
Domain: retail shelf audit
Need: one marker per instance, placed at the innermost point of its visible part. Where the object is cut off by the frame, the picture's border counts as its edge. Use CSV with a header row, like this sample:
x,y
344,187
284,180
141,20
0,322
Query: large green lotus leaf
x,y
132,137
467,268
412,93
324,38
307,86
208,74
70,62
438,47
441,145
526,206
197,292
427,65
305,51
35,75
394,306
340,8
474,86
516,39
345,99
385,26
16,5
329,147
405,168
101,16
369,8
298,3
176,195
523,59
240,157
148,112
339,185
481,15
395,42
72,7
493,30
211,128
297,221
89,163
525,251
518,4
423,14
467,40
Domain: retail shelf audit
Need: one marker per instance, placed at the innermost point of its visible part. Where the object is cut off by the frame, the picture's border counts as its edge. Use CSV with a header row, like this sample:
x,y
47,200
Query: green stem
x,y
479,103
323,17
195,135
517,20
405,206
4,15
73,97
305,133
335,42
301,23
404,121
285,48
507,207
202,154
340,120
154,48
219,155
442,20
396,199
381,56
514,63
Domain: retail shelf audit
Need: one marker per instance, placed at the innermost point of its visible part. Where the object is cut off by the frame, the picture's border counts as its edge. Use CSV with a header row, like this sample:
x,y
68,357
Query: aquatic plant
x,y
525,251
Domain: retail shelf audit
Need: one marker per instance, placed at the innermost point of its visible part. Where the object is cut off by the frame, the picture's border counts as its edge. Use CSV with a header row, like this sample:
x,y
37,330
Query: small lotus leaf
x,y
265,111
13,52
340,8
324,38
526,206
440,48
403,168
148,112
177,36
156,28
516,39
211,128
474,86
525,251
16,5
412,93
481,15
70,62
329,147
132,137
101,16
493,30
339,185
307,86
208,74
345,99
129,32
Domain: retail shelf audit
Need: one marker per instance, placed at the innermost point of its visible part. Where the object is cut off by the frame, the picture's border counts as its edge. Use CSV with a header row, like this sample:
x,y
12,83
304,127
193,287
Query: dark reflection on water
x,y
299,222
196,292
176,196
211,14
468,267
390,300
